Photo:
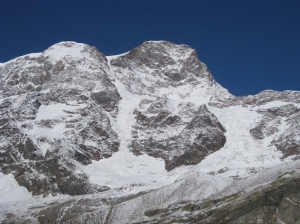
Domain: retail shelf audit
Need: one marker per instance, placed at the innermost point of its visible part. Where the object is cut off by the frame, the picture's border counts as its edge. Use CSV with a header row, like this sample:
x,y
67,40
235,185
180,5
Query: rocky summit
x,y
147,136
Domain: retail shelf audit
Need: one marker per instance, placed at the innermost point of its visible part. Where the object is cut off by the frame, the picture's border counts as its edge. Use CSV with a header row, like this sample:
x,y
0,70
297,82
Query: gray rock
x,y
199,137
288,142
164,64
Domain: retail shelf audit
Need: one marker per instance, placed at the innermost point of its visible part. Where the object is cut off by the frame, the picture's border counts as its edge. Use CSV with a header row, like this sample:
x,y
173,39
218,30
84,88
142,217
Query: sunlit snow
x,y
10,190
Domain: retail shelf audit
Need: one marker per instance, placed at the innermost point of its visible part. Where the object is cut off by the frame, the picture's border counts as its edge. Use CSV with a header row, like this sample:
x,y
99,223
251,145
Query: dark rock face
x,y
288,141
40,150
107,99
178,142
164,65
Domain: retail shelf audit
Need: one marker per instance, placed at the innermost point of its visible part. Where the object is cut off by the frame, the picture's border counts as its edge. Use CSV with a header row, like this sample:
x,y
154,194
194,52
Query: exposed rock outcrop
x,y
282,123
178,142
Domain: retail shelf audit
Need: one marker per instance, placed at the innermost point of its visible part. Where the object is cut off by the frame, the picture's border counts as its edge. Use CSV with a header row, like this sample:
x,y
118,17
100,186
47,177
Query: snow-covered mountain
x,y
145,136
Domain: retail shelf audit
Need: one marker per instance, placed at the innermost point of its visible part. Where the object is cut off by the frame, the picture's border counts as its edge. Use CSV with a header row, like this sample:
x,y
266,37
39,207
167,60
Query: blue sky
x,y
248,45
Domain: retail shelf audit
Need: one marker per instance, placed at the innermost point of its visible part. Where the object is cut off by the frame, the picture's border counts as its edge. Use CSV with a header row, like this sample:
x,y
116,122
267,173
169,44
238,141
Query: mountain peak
x,y
161,66
66,49
166,48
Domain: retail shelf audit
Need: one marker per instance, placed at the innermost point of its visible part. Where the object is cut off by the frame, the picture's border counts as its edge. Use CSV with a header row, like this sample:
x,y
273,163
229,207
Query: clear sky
x,y
248,45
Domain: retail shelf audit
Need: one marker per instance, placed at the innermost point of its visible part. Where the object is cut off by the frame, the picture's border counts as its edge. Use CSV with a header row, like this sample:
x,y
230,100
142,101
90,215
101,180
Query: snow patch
x,y
90,143
44,146
55,111
57,132
275,104
111,57
65,50
10,190
241,150
125,170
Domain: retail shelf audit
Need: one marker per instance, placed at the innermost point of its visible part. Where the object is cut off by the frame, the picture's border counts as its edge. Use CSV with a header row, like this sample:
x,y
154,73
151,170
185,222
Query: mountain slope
x,y
55,111
75,122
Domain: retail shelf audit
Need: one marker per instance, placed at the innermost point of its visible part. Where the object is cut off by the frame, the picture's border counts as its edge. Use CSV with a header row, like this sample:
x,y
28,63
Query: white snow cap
x,y
65,49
